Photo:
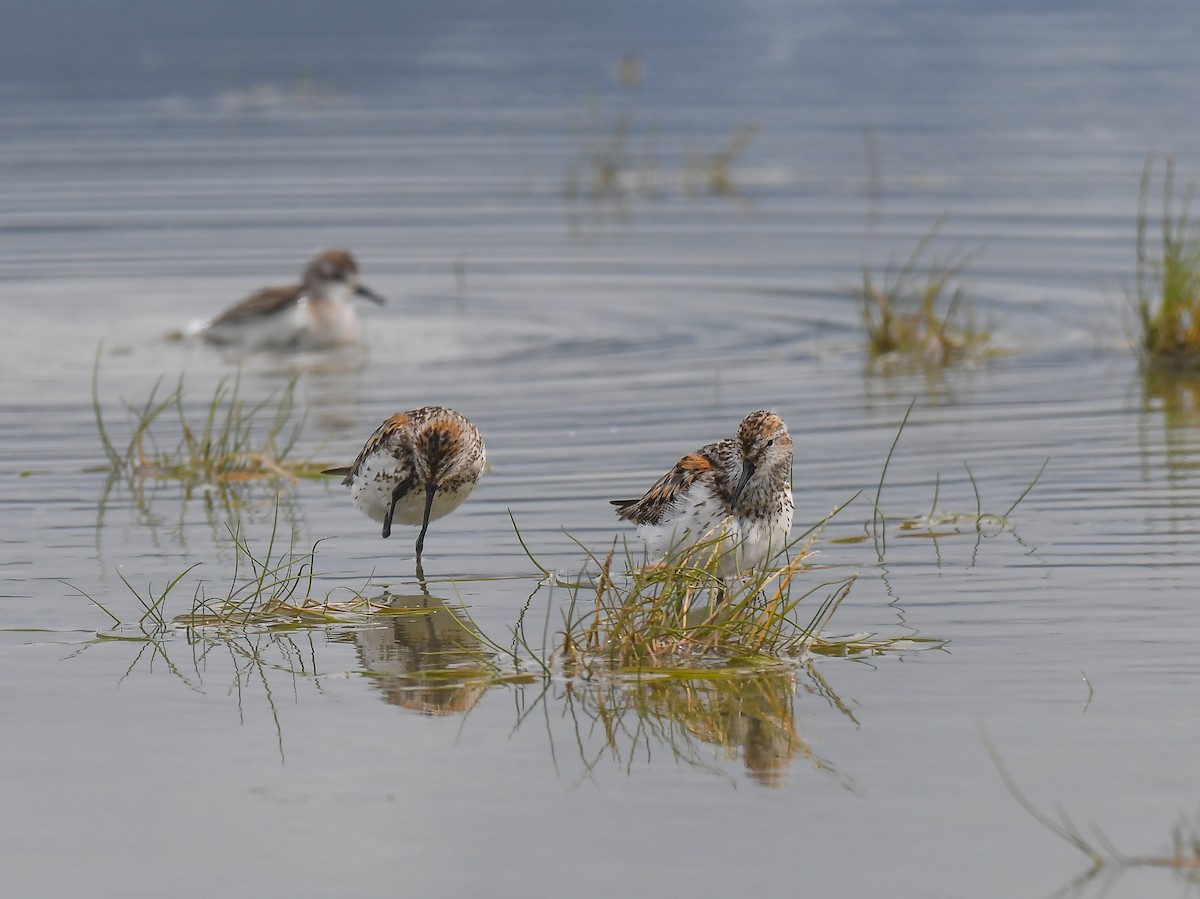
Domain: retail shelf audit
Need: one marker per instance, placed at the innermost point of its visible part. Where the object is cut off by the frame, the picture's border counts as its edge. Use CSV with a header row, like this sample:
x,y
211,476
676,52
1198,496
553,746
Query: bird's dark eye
x,y
771,442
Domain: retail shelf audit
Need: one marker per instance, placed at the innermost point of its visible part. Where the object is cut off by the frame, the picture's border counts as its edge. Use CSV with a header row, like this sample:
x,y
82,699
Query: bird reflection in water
x,y
752,716
424,656
746,714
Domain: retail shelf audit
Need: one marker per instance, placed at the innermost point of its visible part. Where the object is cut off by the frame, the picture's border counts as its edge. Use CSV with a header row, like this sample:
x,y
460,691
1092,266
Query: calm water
x,y
595,337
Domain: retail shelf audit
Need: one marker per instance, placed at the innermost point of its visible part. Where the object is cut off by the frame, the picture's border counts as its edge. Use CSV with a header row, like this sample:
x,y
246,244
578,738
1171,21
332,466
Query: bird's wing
x,y
267,301
666,490
385,433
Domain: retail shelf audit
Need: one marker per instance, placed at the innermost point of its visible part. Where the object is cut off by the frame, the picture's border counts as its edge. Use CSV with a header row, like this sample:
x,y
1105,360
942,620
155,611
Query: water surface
x,y
594,338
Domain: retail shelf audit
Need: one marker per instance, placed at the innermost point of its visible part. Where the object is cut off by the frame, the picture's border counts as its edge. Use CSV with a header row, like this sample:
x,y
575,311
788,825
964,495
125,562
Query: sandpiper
x,y
417,467
736,490
315,314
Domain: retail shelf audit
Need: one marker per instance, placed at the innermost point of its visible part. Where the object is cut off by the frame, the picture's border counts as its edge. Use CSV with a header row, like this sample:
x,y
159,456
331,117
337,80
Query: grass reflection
x,y
698,719
1174,396
254,666
1107,862
916,316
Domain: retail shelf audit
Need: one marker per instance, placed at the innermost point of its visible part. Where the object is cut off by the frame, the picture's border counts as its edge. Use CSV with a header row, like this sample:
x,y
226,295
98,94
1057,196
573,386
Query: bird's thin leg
x,y
430,493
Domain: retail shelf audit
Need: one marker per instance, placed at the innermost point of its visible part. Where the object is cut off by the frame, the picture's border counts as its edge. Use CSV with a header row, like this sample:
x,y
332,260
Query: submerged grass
x,y
1107,861
919,313
1166,297
940,523
935,524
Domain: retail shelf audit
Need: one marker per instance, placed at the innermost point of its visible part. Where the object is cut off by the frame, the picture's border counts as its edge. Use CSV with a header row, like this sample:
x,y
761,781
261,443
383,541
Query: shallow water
x,y
594,339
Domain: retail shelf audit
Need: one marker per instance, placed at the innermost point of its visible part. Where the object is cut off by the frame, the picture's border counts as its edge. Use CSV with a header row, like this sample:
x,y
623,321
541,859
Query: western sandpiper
x,y
315,314
735,490
417,467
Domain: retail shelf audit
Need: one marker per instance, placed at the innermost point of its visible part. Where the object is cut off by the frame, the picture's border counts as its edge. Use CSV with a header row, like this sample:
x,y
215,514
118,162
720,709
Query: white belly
x,y
328,322
698,518
378,477
692,518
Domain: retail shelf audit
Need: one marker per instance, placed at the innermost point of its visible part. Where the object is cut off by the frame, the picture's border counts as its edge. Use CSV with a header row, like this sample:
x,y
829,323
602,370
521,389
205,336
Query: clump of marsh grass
x,y
257,649
604,161
270,589
607,164
617,159
714,172
250,624
683,614
274,588
919,313
1166,297
235,441
269,610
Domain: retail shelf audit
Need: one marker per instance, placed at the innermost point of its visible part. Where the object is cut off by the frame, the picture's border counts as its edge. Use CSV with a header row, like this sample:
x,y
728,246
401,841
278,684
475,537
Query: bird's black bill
x,y
398,494
368,294
430,493
747,473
